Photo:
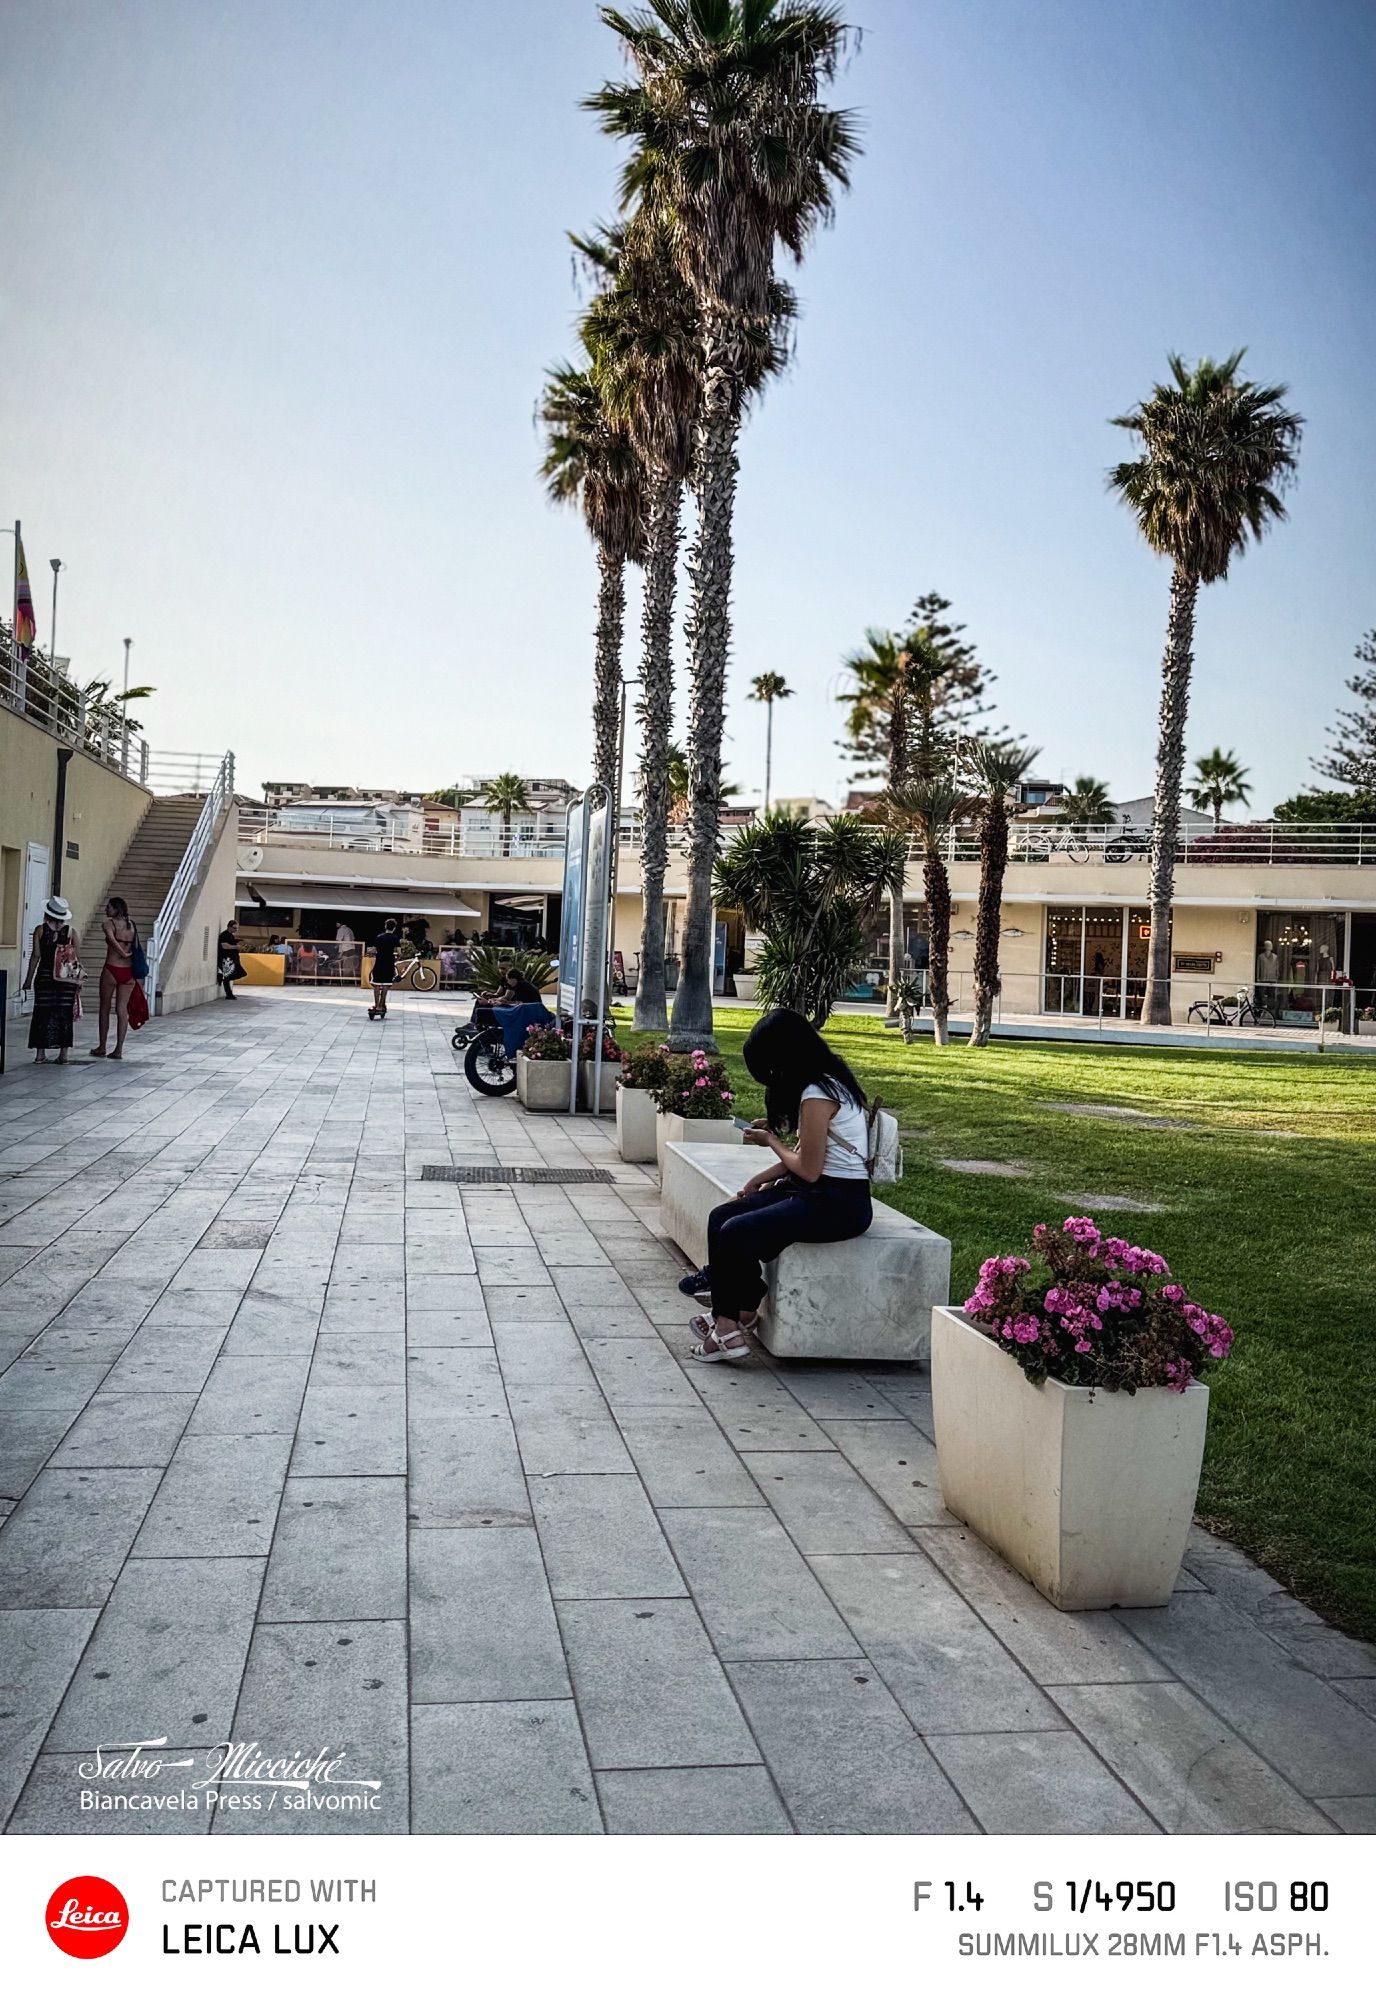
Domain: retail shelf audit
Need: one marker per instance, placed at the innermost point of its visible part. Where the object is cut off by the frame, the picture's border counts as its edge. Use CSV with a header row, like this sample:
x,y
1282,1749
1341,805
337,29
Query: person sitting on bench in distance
x,y
815,1192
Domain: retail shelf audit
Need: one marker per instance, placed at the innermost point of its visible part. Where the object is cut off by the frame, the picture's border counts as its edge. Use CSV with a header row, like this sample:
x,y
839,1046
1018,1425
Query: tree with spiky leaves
x,y
1085,803
736,154
996,770
769,688
506,795
643,332
1219,781
590,461
1352,760
1217,452
929,807
953,689
811,891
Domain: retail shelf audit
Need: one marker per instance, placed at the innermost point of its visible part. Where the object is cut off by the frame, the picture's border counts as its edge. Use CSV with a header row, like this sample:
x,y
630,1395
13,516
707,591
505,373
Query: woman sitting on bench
x,y
816,1192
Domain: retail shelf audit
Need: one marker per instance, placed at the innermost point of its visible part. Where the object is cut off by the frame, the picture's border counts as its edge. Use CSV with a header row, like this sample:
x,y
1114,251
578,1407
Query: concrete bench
x,y
869,1299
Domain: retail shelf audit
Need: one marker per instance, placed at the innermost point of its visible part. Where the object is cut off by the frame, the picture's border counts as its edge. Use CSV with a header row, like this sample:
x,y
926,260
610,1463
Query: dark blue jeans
x,y
753,1229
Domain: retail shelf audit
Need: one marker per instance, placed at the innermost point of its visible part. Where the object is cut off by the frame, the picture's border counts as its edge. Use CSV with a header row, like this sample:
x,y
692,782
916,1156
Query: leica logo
x,y
87,1916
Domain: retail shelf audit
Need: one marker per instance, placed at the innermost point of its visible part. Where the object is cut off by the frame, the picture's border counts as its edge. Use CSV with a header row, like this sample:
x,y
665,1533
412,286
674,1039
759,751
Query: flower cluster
x,y
1090,1310
646,1067
695,1086
545,1044
612,1050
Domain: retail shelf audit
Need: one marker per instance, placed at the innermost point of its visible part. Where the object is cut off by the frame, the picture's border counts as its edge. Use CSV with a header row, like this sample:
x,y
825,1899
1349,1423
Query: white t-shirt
x,y
849,1123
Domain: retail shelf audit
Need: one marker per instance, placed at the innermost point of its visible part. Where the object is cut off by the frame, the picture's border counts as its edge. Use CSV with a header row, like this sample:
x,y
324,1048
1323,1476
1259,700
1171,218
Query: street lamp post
x,y
616,820
124,715
57,567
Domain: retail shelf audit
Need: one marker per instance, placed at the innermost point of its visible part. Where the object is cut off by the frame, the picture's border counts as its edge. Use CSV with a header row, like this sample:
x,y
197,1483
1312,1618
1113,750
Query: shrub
x,y
488,964
546,1044
1096,1313
646,1067
611,1048
695,1086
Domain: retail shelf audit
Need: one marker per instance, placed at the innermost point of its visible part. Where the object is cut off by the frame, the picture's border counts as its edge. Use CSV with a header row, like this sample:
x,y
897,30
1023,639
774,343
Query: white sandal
x,y
712,1346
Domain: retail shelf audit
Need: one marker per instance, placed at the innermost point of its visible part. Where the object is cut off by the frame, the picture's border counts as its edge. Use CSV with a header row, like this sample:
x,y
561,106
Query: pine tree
x,y
1352,760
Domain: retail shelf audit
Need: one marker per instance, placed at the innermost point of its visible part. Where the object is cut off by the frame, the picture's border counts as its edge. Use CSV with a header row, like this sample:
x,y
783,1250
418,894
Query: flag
x,y
25,628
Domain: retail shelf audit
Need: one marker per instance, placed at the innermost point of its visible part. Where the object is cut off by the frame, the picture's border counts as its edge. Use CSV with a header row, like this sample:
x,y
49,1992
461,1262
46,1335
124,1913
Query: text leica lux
x,y
287,1941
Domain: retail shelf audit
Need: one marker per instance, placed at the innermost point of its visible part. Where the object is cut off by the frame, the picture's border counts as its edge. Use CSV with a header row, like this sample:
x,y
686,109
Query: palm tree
x,y
591,460
506,795
996,769
929,807
769,688
1219,781
812,891
1217,453
736,155
1086,803
946,682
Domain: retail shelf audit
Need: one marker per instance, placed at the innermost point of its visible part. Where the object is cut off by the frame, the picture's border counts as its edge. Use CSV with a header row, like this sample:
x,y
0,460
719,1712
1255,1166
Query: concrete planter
x,y
670,1128
747,986
635,1123
542,1086
1366,1027
1089,1494
610,1073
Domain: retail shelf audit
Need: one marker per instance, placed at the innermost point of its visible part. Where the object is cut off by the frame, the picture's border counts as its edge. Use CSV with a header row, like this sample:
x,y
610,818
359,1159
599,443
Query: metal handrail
x,y
217,801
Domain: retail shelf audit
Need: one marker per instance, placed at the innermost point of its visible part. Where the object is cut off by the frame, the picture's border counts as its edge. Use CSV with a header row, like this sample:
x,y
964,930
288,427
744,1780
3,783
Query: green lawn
x,y
1268,1216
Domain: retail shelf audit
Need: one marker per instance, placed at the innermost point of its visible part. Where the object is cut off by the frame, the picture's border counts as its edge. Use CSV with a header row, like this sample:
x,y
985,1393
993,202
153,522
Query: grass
x,y
1268,1198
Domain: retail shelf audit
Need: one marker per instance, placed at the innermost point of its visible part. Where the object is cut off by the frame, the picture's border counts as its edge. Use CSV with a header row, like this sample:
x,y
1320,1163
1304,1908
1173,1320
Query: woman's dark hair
x,y
785,1053
120,908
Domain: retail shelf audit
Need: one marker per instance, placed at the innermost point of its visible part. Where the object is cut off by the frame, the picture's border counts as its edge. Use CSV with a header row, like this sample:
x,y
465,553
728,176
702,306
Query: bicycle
x,y
1041,846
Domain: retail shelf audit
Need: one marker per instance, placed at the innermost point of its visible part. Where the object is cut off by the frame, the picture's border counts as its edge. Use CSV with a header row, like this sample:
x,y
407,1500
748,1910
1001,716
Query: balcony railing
x,y
1266,843
52,701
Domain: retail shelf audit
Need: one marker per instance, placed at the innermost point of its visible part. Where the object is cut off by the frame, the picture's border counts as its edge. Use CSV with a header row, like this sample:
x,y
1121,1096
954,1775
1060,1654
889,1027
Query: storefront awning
x,y
389,902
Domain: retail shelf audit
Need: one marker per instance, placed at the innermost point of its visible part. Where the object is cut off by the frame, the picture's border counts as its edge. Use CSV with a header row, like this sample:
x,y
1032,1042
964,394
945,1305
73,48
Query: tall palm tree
x,y
1219,781
737,155
1217,453
591,461
769,688
997,769
506,795
929,808
1085,803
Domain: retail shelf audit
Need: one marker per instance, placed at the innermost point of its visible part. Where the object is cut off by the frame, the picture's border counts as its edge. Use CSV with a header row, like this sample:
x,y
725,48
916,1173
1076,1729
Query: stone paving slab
x,y
297,1445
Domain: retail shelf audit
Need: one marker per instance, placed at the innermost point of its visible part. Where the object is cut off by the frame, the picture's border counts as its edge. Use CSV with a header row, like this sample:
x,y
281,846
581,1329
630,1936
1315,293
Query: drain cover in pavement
x,y
520,1176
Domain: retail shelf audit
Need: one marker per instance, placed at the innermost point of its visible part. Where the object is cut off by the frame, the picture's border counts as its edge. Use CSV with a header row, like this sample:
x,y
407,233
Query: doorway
x,y
37,873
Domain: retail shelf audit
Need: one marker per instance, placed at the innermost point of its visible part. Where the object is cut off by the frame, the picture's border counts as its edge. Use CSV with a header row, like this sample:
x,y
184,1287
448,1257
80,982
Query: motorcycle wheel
x,y
489,1068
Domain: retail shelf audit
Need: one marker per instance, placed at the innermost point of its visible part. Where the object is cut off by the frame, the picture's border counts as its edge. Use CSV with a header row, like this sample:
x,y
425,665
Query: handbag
x,y
138,1006
67,967
138,957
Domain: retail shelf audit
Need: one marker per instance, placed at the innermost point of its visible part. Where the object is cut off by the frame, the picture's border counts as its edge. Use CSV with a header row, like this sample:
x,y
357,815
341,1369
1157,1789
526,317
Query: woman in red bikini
x,y
116,975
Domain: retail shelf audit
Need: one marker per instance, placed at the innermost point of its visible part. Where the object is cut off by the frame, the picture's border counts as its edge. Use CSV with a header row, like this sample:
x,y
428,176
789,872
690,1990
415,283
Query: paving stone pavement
x,y
299,1449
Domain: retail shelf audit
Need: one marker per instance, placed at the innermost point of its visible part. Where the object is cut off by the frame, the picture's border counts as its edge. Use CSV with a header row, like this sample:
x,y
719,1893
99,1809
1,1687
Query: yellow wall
x,y
189,978
263,968
103,813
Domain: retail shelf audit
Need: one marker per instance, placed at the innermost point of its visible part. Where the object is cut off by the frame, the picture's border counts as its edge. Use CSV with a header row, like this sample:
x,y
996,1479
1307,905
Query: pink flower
x,y
700,1083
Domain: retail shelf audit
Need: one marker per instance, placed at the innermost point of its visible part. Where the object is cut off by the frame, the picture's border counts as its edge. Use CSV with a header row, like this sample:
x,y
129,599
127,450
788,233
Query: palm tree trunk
x,y
1170,766
606,703
993,862
768,748
655,709
896,943
708,630
936,888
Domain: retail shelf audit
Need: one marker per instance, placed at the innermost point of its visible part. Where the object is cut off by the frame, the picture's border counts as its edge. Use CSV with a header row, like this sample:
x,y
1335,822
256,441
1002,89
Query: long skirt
x,y
54,1010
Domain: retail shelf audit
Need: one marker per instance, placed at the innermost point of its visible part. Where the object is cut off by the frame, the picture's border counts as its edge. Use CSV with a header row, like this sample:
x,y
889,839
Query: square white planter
x,y
1366,1027
1089,1493
670,1128
747,986
610,1073
635,1123
542,1086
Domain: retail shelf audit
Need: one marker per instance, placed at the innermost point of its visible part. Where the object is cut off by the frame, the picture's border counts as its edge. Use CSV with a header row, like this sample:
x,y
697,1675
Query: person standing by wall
x,y
231,966
56,988
116,976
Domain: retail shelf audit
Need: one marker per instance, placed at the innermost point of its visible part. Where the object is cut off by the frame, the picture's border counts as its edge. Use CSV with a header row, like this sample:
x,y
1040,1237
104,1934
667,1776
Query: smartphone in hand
x,y
744,1124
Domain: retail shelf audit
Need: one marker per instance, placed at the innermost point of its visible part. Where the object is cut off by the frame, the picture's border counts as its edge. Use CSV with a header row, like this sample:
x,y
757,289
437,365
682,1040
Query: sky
x,y
280,278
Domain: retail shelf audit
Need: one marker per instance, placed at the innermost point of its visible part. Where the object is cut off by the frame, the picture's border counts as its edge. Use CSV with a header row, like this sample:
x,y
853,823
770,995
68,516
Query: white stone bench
x,y
869,1299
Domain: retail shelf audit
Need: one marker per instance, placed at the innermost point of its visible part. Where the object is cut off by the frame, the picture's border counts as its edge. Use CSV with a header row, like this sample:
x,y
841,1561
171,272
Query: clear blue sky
x,y
279,281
